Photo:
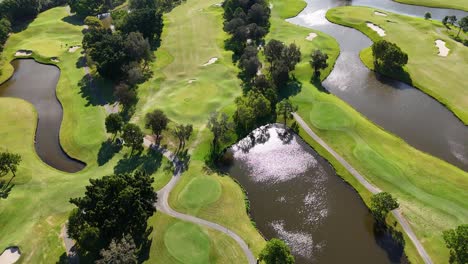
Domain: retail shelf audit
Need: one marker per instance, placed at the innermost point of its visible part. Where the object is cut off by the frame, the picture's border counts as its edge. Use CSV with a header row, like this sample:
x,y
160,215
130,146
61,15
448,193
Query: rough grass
x,y
453,4
444,78
432,193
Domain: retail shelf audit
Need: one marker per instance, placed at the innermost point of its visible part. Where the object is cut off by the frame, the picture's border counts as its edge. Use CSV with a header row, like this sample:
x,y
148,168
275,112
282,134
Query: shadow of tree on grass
x,y
107,151
149,163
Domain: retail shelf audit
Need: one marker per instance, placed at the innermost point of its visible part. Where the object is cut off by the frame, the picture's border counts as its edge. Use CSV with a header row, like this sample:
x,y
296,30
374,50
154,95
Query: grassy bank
x,y
443,78
453,4
430,191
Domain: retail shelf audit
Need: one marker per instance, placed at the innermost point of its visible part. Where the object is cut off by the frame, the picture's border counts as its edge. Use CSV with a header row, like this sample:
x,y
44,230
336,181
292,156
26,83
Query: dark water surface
x,y
36,83
295,195
397,107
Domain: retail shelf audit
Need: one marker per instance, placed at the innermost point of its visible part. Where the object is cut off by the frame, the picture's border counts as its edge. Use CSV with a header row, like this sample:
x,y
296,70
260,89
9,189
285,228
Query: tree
x,y
114,123
388,56
285,110
147,21
126,96
445,20
253,110
183,133
112,207
137,47
249,64
109,55
119,252
463,25
156,121
452,20
427,16
133,137
219,125
5,28
282,59
93,22
85,8
318,62
140,4
9,163
457,242
276,252
381,204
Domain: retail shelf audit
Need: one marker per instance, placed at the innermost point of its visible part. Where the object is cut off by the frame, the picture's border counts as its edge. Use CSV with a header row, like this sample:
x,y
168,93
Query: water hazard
x,y
36,83
295,195
399,108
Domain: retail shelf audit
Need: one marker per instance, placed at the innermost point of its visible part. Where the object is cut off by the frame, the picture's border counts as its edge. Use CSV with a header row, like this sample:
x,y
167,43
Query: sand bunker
x,y
10,255
73,48
211,61
311,36
380,13
54,59
376,28
192,80
20,53
443,50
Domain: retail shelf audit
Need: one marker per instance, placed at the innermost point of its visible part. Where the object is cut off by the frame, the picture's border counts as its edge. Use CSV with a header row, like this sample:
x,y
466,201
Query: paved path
x,y
401,219
163,205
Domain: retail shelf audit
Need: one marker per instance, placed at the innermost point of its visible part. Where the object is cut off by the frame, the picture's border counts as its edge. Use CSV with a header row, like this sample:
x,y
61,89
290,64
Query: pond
x,y
36,83
296,195
397,107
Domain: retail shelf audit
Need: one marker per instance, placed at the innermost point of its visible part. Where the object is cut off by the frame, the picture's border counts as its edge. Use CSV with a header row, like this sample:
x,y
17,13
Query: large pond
x,y
295,195
397,107
36,83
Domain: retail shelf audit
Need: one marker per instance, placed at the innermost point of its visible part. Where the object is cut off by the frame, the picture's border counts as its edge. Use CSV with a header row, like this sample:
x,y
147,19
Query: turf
x,y
453,4
444,78
199,192
431,192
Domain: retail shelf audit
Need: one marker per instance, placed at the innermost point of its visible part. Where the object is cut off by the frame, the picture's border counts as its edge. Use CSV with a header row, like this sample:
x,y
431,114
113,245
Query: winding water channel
x,y
296,195
397,107
36,83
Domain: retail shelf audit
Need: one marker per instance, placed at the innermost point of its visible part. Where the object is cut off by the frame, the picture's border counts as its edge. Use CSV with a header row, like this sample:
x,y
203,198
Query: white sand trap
x,y
443,50
21,53
85,26
311,36
211,61
218,5
10,255
73,48
192,80
271,6
380,13
377,29
55,59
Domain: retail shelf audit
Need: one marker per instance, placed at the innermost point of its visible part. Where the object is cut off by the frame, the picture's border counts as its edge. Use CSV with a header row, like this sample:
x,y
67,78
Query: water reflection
x,y
296,195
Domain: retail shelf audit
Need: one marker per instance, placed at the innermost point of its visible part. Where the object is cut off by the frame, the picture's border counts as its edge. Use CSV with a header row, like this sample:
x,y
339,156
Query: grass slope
x,y
444,78
453,4
431,192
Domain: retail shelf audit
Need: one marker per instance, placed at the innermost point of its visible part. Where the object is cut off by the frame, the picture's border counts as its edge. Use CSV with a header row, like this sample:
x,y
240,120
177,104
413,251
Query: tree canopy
x,y
457,242
381,204
121,251
219,125
285,109
252,110
133,137
277,252
9,163
318,62
112,206
156,121
388,56
114,123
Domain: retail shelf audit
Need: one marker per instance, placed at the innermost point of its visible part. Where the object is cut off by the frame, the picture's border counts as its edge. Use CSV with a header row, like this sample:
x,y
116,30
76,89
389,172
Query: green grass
x,y
174,241
443,78
200,191
453,4
432,193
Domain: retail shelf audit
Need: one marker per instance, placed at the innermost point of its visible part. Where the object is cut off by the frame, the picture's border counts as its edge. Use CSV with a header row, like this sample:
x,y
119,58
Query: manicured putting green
x,y
187,243
199,192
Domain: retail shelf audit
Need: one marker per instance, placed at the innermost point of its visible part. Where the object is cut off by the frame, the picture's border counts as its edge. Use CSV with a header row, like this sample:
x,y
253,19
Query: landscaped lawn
x,y
454,4
432,193
444,78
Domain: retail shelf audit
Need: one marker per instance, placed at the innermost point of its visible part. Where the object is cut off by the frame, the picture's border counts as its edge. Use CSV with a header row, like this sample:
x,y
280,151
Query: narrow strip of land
x,y
163,205
403,222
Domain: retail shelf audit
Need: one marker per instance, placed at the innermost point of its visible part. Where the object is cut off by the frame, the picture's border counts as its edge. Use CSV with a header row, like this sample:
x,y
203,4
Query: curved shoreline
x,y
463,117
44,61
406,2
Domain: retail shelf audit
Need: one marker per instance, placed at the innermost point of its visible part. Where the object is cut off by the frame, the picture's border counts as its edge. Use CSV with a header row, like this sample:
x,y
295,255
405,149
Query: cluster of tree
x,y
5,28
275,252
247,21
452,20
457,242
18,11
113,215
9,163
85,8
388,56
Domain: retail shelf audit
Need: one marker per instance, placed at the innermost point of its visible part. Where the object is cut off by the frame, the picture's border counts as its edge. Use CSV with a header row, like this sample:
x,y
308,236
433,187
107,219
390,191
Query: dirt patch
x,y
211,61
22,53
73,49
380,13
443,50
10,255
376,28
311,36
